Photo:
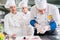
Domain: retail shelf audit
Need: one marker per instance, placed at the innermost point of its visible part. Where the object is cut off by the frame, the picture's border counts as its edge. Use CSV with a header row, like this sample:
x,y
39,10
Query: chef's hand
x,y
36,25
10,39
13,35
47,28
40,29
44,29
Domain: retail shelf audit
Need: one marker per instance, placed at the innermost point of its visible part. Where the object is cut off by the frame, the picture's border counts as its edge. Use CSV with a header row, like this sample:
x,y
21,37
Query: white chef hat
x,y
10,3
41,4
23,3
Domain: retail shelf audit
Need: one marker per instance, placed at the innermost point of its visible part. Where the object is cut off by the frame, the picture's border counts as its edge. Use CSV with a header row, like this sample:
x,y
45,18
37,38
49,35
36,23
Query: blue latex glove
x,y
32,22
52,25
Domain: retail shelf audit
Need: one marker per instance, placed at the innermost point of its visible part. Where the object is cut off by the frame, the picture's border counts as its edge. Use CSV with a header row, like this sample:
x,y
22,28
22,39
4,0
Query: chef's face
x,y
13,9
41,11
25,9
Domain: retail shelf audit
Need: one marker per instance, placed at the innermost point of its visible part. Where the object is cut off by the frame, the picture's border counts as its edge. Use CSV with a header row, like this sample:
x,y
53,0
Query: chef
x,y
12,20
44,17
25,18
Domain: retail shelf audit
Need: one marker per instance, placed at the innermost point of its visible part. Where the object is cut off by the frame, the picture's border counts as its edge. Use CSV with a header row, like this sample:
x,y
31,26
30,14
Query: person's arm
x,y
56,18
30,30
33,22
56,15
6,26
52,25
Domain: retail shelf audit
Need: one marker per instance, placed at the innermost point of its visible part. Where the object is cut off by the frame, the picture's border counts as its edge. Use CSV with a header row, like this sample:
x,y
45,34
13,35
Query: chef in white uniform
x,y
25,16
44,17
12,20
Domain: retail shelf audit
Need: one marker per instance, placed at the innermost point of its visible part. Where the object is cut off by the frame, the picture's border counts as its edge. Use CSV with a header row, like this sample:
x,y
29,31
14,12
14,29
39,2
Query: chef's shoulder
x,y
33,8
7,15
51,6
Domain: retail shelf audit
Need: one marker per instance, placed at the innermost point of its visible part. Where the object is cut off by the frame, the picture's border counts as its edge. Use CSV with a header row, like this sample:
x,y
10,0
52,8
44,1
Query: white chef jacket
x,y
43,19
27,28
12,24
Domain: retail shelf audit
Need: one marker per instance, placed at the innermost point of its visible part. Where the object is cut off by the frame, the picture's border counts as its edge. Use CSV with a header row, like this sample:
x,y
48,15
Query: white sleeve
x,y
6,26
56,15
30,31
32,13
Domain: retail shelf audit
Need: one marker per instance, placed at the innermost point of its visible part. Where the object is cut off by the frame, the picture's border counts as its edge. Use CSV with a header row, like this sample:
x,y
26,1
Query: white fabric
x,y
28,29
18,24
42,29
41,4
22,38
10,3
29,38
35,38
12,24
42,19
23,3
